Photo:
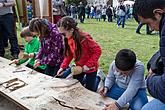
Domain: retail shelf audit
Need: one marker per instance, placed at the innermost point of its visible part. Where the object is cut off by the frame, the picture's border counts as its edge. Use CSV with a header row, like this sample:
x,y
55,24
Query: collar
x,y
161,23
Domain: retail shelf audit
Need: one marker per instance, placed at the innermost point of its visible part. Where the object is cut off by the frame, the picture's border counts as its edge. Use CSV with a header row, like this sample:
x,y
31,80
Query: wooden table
x,y
42,92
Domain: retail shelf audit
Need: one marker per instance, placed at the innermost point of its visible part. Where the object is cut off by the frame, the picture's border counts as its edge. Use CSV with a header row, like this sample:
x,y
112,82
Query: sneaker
x,y
101,74
138,32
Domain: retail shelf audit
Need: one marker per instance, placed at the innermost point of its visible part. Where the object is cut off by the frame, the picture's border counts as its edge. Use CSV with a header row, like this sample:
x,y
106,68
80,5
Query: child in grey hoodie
x,y
125,82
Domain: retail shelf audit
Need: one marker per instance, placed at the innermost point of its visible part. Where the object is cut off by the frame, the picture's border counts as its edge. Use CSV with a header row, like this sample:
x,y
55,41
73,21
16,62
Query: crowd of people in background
x,y
99,11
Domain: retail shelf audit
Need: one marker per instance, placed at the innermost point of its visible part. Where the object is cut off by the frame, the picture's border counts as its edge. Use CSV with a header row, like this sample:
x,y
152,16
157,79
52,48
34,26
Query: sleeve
x,y
36,47
134,85
55,50
156,83
66,61
21,61
96,53
110,79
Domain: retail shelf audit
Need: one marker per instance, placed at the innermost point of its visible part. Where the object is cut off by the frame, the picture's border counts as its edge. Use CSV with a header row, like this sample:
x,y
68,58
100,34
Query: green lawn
x,y
112,39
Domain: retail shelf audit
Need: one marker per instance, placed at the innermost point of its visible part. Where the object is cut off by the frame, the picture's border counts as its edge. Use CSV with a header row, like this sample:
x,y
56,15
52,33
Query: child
x,y
80,46
52,47
125,82
31,48
152,12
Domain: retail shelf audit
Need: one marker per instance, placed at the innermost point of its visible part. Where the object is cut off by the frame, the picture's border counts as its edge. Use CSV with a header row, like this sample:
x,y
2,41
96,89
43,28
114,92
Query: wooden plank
x,y
44,92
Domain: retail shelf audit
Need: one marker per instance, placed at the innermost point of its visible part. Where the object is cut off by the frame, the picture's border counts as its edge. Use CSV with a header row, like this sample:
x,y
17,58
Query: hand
x,y
16,61
85,68
31,55
37,63
150,72
1,5
103,91
111,106
60,72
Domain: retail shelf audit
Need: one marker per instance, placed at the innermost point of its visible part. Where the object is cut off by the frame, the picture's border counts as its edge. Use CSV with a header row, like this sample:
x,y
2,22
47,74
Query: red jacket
x,y
91,52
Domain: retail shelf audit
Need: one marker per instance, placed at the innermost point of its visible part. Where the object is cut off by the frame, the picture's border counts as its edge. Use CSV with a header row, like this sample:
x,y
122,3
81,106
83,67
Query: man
x,y
152,12
81,12
58,10
121,12
6,26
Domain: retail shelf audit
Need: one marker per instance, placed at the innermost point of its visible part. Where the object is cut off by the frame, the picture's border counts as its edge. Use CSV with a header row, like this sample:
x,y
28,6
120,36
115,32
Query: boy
x,y
31,48
152,12
125,82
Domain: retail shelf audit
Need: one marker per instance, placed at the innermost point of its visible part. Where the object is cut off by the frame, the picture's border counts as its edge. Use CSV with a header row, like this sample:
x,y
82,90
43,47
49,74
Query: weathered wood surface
x,y
41,92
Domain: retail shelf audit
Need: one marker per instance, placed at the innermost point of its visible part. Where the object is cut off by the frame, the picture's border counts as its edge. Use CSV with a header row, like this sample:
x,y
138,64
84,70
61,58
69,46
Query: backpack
x,y
156,64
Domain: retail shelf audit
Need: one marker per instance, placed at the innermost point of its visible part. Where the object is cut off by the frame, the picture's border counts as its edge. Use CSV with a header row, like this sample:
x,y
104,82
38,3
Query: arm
x,y
55,50
156,83
21,61
134,85
96,53
66,61
9,3
110,79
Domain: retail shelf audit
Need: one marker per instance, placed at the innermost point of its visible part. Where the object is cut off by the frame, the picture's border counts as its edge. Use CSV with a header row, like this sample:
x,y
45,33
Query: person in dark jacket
x,y
81,12
109,13
152,12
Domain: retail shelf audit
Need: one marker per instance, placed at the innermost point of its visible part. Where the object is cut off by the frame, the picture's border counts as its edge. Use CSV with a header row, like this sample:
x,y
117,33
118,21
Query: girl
x,y
51,51
31,48
80,46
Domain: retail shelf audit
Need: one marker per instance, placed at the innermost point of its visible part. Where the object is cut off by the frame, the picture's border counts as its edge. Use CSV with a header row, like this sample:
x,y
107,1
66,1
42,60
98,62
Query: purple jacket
x,y
52,47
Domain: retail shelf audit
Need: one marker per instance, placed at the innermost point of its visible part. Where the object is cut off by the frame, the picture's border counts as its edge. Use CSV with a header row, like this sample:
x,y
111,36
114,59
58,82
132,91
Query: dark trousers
x,y
109,18
82,18
90,80
36,69
140,26
52,70
6,26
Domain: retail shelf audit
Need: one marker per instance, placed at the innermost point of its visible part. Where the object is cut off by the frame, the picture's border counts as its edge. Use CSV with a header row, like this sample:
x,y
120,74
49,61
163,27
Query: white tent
x,y
129,3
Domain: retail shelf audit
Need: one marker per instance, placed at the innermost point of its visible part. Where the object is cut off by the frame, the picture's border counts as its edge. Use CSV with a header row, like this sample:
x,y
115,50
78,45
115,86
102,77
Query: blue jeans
x,y
138,101
90,80
97,81
121,20
155,104
6,26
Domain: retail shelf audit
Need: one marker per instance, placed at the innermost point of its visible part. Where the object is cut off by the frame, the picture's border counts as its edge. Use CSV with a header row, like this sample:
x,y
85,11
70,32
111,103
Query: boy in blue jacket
x,y
152,12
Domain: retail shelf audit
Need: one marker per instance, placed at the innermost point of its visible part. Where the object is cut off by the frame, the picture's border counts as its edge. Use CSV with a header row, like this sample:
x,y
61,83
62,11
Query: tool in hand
x,y
75,70
18,71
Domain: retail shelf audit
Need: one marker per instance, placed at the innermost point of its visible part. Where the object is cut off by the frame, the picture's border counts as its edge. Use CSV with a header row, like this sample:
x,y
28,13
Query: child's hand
x,y
103,91
60,72
85,68
16,61
111,106
37,63
31,55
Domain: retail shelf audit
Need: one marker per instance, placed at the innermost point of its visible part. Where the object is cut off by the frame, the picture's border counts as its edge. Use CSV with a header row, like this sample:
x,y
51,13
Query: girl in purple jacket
x,y
52,46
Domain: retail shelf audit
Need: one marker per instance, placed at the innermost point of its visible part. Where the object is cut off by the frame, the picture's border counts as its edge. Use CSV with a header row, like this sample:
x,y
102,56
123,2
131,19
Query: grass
x,y
112,39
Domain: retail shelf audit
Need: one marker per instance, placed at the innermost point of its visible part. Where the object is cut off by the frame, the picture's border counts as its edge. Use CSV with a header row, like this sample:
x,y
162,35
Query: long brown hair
x,y
68,24
40,26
